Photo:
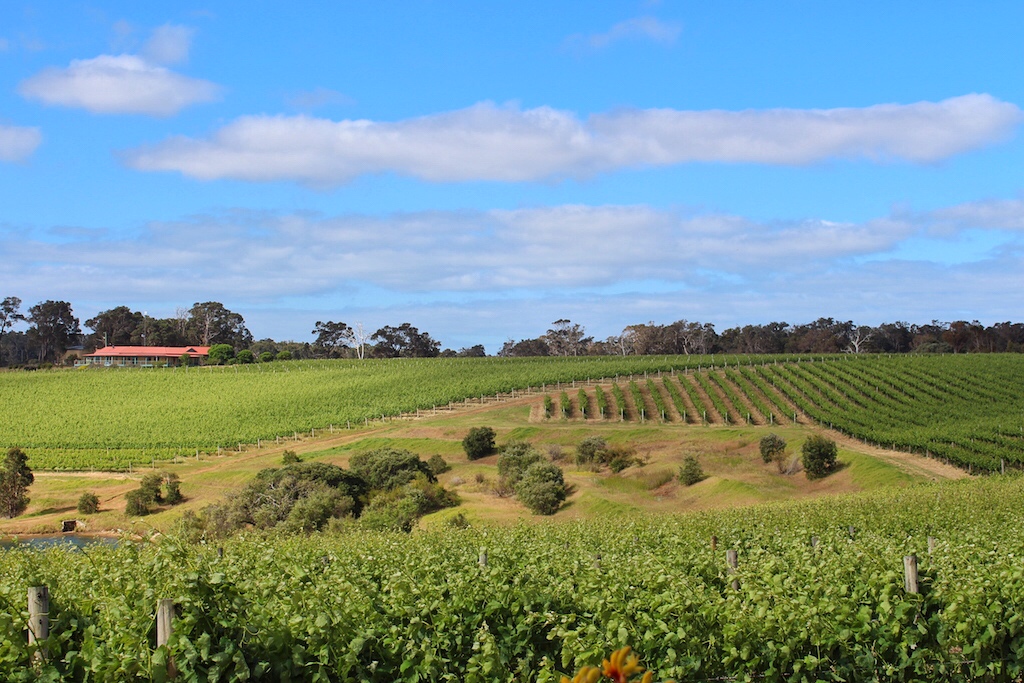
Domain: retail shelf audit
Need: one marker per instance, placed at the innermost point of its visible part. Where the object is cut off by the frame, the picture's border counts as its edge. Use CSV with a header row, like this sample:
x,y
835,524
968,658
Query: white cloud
x,y
506,273
169,44
121,84
1004,214
17,143
638,28
488,142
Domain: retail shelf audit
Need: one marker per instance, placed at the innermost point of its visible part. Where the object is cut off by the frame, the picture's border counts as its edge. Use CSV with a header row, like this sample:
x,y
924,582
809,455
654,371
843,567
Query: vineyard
x,y
818,593
966,410
109,419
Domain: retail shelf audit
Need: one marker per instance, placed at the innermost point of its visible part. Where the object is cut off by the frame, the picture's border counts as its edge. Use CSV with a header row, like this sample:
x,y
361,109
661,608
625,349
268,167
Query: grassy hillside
x,y
965,410
968,410
728,454
91,419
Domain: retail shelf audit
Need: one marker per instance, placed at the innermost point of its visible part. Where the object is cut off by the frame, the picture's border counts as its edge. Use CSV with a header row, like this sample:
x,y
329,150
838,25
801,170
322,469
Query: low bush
x,y
542,488
515,458
135,503
88,503
773,449
438,465
479,442
691,473
819,456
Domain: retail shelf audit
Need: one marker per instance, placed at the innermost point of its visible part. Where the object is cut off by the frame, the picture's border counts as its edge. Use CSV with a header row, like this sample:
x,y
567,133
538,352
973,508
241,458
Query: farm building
x,y
144,356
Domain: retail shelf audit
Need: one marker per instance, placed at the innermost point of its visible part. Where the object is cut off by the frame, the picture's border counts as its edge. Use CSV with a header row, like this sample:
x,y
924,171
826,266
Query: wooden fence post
x,y
482,560
732,560
714,543
164,621
931,544
38,617
910,573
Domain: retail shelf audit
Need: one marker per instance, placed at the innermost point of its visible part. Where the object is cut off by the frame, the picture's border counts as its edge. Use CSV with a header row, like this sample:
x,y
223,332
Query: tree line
x,y
52,334
824,335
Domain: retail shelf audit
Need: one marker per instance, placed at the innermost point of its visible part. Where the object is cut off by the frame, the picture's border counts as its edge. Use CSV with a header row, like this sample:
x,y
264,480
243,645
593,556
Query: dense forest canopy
x,y
49,332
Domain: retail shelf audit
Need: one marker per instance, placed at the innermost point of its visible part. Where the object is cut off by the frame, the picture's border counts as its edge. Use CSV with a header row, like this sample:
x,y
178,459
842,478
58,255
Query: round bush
x,y
479,442
691,473
819,457
542,488
88,503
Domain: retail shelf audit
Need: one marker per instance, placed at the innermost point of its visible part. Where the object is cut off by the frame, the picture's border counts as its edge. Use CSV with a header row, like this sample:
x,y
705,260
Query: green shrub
x,y
221,353
172,489
514,460
691,473
549,406
312,512
88,503
438,465
479,442
136,504
619,456
591,450
266,357
290,457
246,356
284,355
773,449
388,468
149,488
819,456
542,488
400,508
268,499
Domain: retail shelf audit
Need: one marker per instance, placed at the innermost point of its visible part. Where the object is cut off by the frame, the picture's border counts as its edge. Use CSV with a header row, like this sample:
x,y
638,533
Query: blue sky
x,y
483,169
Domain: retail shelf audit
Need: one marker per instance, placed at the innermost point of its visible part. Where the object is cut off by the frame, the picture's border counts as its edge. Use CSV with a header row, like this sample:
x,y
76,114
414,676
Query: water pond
x,y
42,542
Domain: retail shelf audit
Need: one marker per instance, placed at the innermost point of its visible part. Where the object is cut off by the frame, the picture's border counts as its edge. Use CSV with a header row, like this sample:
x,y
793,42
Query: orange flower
x,y
588,674
618,668
622,665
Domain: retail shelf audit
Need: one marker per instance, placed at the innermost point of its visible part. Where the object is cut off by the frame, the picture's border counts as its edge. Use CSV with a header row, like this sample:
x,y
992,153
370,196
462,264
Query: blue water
x,y
73,540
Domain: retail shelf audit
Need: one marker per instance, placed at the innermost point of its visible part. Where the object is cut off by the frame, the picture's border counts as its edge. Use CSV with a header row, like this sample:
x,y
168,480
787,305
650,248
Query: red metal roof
x,y
151,351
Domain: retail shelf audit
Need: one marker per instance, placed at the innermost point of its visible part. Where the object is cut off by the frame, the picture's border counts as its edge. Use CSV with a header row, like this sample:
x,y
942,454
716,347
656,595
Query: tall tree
x,y
53,328
332,336
360,336
15,478
113,327
404,341
211,323
566,338
524,348
10,313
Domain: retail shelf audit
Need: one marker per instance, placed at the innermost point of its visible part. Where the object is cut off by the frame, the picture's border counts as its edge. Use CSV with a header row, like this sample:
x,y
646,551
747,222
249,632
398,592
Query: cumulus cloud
x,y
642,28
17,143
126,84
505,143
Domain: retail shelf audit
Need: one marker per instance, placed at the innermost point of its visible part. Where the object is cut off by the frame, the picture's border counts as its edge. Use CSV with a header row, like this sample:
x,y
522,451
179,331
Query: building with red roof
x,y
145,356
